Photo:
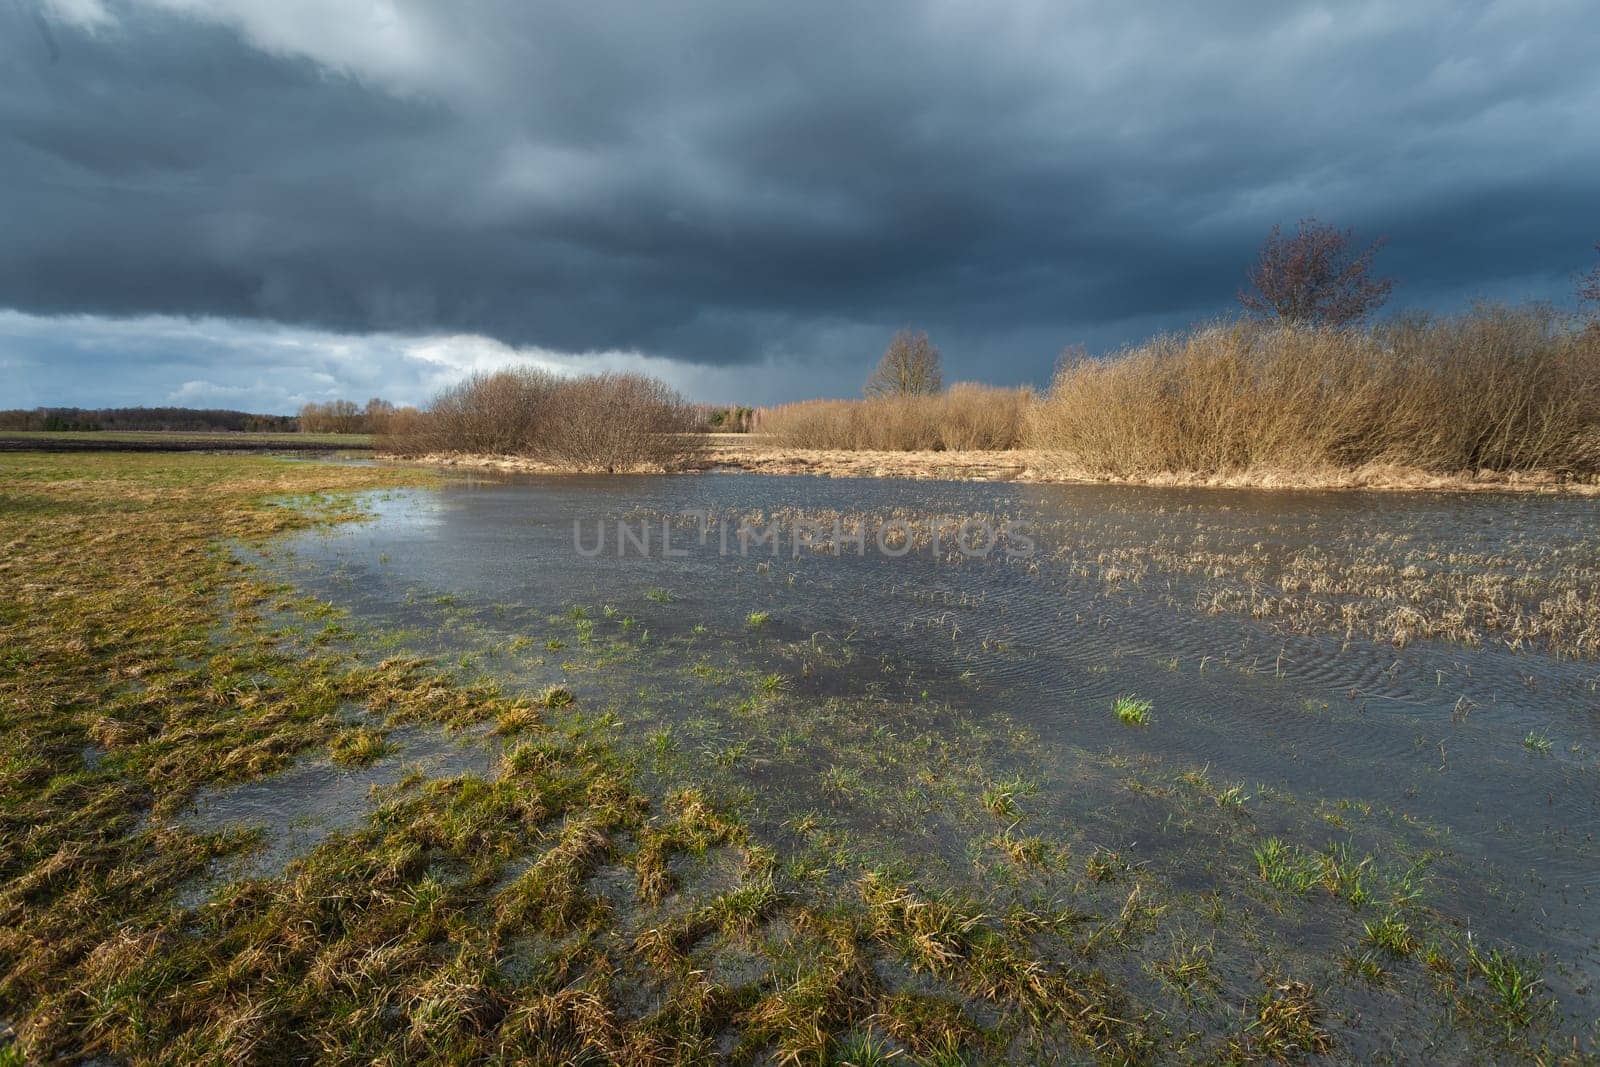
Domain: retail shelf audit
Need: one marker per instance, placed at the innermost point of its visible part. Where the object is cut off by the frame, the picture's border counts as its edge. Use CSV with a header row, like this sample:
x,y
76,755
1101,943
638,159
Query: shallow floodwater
x,y
1482,755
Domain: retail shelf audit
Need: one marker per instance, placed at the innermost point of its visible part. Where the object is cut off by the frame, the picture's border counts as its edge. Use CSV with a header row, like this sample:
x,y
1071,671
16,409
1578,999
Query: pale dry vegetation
x,y
967,417
1497,390
599,422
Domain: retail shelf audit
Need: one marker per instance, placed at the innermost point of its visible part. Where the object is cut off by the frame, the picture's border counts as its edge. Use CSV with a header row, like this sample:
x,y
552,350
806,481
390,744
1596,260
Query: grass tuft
x,y
1132,710
557,696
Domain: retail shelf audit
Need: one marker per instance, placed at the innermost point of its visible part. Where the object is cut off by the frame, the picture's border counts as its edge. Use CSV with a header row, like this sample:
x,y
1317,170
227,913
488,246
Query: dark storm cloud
x,y
726,183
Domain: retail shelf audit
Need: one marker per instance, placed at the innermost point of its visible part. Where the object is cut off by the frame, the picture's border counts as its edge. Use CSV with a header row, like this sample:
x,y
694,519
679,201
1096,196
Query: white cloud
x,y
85,14
93,361
401,46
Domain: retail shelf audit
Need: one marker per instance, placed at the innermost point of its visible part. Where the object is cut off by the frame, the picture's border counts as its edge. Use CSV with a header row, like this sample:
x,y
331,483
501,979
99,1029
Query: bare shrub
x,y
599,422
1497,389
502,414
619,422
406,432
968,417
977,418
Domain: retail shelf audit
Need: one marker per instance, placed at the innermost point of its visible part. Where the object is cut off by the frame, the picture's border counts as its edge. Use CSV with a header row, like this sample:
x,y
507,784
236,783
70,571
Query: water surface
x,y
1476,760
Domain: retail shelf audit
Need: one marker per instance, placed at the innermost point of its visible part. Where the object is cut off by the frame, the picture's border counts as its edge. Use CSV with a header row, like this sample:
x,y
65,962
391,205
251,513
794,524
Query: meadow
x,y
179,441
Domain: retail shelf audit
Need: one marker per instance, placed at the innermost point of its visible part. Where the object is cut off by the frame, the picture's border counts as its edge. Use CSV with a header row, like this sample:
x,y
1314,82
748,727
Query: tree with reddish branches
x,y
1589,284
1315,276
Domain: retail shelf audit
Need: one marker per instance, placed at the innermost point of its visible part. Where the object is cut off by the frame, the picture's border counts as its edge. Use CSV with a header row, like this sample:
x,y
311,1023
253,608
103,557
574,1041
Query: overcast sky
x,y
254,203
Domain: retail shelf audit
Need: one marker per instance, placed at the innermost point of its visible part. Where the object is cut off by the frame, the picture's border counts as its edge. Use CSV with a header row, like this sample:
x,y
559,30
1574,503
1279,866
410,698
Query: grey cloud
x,y
722,183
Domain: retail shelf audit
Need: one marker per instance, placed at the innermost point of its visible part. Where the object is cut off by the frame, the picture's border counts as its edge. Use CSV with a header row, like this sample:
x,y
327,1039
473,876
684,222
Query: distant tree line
x,y
190,420
343,416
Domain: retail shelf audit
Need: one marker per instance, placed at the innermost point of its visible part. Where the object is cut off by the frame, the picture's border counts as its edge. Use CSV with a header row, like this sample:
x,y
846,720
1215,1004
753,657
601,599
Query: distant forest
x,y
190,420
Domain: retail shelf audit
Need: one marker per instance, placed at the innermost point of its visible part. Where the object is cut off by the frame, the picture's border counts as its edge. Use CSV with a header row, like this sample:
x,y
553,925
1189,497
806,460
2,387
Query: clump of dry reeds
x,y
598,422
1496,389
966,417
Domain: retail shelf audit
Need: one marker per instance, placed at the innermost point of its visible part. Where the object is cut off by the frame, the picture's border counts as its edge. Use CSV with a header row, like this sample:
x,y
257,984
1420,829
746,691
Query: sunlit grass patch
x,y
1285,1025
1024,850
1132,710
1001,798
1339,871
1513,986
1285,867
557,696
1104,865
357,747
516,720
1390,934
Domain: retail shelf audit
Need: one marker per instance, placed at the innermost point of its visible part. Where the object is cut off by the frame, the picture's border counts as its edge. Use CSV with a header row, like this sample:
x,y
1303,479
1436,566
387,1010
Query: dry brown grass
x,y
599,422
967,417
1497,390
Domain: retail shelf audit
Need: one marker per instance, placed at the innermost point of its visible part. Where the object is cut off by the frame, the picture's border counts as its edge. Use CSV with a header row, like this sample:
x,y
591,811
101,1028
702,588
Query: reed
x,y
1496,389
966,417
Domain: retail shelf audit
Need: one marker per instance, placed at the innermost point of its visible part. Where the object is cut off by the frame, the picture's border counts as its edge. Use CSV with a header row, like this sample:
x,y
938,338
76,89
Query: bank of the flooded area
x,y
448,782
721,453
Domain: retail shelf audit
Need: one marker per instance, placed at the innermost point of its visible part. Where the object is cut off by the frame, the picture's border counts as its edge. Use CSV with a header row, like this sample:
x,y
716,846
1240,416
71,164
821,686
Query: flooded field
x,y
1229,748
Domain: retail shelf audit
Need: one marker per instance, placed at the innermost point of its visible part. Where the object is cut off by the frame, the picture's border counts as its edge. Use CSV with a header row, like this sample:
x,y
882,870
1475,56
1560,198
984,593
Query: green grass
x,y
1513,985
358,747
1284,867
1391,935
1132,710
1000,798
186,439
557,696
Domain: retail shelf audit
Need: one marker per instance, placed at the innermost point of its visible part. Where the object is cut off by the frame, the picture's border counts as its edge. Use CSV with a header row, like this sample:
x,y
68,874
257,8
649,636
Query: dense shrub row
x,y
598,422
1496,389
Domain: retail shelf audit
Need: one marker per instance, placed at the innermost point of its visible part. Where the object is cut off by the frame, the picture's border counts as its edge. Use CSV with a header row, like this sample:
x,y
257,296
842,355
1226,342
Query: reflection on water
x,y
1487,752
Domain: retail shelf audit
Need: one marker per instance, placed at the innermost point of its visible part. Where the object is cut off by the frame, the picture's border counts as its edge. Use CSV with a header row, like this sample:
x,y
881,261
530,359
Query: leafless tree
x,y
1316,277
909,367
336,416
1589,284
376,415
